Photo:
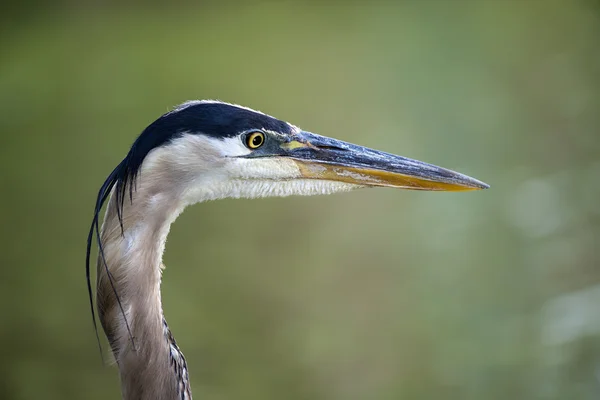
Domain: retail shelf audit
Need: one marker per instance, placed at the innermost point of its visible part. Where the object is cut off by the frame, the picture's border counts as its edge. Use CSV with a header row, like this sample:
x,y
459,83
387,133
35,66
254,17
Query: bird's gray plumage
x,y
202,151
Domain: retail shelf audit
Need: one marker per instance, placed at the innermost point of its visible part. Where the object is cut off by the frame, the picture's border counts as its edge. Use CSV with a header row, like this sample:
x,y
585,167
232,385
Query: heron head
x,y
211,150
205,150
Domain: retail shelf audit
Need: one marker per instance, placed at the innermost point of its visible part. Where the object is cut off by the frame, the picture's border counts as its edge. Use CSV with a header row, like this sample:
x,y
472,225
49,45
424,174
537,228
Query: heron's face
x,y
259,162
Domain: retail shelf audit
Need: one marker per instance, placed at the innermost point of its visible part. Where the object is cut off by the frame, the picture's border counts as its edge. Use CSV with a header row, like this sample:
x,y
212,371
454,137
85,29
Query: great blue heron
x,y
206,150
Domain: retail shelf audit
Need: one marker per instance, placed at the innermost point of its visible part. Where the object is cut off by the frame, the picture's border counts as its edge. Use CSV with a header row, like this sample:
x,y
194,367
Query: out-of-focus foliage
x,y
377,294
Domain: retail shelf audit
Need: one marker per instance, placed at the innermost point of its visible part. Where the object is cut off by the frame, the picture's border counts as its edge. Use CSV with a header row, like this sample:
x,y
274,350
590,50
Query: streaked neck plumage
x,y
155,368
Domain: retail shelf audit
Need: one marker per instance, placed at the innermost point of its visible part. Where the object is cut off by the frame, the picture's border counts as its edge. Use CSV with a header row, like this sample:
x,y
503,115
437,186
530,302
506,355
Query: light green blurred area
x,y
377,294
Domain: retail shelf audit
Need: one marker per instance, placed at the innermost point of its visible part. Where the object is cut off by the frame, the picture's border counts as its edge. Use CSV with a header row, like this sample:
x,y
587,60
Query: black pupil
x,y
257,140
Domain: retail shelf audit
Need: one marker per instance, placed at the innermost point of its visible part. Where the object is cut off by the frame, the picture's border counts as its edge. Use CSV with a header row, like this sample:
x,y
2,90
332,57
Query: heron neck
x,y
150,363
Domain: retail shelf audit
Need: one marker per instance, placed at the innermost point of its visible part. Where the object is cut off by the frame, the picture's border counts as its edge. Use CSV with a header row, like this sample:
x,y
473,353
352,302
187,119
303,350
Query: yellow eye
x,y
255,140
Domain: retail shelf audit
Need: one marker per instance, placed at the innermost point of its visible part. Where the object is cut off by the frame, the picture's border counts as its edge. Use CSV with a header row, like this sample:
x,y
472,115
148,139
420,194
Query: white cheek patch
x,y
274,168
229,147
206,148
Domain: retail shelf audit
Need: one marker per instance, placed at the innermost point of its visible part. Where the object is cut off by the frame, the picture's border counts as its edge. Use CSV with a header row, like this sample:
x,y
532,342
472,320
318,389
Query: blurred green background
x,y
376,294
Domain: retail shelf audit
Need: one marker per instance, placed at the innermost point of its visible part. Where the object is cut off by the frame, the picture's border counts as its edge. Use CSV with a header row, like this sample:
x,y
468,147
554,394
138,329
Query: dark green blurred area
x,y
377,294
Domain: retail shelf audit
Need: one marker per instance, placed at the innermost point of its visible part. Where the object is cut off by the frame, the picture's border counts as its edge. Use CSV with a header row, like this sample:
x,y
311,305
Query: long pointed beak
x,y
320,157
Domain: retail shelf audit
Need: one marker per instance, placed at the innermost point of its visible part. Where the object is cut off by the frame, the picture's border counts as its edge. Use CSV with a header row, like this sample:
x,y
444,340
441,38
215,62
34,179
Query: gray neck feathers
x,y
155,368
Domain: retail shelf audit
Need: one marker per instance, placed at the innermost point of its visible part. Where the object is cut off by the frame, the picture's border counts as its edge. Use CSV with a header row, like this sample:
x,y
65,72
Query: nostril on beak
x,y
330,148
